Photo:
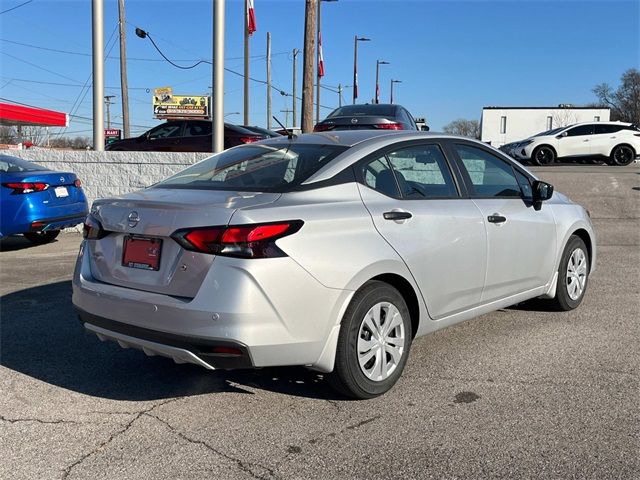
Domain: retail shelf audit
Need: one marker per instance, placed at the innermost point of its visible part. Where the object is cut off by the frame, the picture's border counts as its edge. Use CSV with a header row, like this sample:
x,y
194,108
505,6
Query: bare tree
x,y
35,135
625,100
466,128
564,118
8,135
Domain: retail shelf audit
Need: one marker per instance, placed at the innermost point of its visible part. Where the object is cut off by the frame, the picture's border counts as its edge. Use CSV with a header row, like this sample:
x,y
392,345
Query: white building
x,y
501,125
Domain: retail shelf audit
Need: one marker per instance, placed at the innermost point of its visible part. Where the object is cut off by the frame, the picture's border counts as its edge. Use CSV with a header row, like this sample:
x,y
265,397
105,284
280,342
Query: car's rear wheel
x,y
543,155
40,238
374,342
573,275
622,155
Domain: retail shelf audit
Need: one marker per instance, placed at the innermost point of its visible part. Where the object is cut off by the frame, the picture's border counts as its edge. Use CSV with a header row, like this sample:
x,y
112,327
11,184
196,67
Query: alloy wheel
x,y
623,155
381,341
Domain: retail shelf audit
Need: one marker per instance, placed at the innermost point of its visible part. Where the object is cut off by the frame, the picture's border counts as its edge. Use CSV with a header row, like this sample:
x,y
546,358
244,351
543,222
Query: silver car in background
x,y
328,250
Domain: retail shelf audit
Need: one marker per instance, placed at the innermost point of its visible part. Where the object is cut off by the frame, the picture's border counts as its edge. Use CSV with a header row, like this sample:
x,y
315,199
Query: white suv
x,y
618,143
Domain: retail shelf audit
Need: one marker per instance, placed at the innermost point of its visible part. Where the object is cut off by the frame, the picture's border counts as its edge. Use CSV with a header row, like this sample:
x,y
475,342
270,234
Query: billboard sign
x,y
166,105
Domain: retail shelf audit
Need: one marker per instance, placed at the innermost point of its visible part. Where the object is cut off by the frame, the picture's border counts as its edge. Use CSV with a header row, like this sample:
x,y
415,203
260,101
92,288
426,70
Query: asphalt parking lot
x,y
519,393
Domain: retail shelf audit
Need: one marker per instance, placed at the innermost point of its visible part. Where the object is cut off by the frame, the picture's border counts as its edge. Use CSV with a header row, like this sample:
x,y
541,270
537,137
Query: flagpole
x,y
246,62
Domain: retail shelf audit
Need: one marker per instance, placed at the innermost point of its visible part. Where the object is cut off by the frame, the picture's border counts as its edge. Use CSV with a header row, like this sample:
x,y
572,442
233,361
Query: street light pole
x,y
392,82
295,85
217,113
355,64
97,21
378,63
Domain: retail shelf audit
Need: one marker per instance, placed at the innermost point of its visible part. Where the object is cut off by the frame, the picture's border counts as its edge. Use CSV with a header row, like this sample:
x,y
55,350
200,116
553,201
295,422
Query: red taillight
x,y
244,241
322,127
77,183
389,126
92,229
26,187
250,139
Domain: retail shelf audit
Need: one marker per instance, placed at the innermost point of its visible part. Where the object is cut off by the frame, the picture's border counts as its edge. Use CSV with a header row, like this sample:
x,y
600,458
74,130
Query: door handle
x,y
396,215
586,140
496,218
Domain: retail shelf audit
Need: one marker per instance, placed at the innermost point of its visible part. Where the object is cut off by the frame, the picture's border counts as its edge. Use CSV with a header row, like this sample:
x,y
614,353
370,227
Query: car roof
x,y
350,138
609,122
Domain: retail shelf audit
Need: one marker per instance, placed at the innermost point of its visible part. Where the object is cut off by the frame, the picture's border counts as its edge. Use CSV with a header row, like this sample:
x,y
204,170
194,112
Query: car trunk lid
x,y
156,213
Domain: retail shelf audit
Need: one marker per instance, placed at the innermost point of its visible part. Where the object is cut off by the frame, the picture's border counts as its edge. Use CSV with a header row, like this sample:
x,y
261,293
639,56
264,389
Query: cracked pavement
x,y
518,393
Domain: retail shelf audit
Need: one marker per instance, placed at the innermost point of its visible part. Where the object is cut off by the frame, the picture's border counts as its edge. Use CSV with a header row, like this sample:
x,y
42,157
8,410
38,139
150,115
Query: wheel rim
x,y
576,274
623,155
544,156
381,341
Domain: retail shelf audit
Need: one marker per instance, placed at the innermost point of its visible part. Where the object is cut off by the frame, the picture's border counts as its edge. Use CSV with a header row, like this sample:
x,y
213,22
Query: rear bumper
x,y
181,348
57,223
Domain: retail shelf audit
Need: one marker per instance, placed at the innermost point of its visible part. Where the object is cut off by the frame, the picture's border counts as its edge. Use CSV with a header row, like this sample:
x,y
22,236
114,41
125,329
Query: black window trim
x,y
386,150
501,156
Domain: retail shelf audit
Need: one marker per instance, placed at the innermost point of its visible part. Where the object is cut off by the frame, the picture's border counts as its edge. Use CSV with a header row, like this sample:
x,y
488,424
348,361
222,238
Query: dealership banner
x,y
166,105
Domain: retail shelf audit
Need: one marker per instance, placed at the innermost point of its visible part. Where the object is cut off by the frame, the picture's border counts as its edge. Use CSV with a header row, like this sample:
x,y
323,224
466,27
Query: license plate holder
x,y
61,192
141,252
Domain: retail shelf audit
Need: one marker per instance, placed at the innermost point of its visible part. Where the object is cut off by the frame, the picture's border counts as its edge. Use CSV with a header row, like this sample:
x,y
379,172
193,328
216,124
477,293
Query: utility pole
x,y
124,84
310,11
295,86
269,80
107,103
97,24
339,94
319,77
286,112
246,62
217,112
378,63
355,65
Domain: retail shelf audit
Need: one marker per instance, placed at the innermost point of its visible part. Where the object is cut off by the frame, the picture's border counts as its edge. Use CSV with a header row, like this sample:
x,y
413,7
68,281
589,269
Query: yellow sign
x,y
168,106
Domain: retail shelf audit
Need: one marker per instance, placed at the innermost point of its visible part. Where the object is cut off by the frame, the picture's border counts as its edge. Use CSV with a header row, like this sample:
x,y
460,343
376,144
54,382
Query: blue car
x,y
37,202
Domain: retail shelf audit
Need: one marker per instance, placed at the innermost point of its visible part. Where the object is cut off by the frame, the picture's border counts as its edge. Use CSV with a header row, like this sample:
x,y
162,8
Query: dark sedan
x,y
368,117
185,136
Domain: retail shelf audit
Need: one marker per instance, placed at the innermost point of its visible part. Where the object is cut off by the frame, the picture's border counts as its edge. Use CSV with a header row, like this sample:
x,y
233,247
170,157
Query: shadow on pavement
x,y
41,337
16,242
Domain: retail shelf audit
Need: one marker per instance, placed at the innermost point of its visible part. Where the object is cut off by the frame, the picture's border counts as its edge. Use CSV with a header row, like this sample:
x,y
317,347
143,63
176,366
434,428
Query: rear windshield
x,y
360,110
256,168
14,164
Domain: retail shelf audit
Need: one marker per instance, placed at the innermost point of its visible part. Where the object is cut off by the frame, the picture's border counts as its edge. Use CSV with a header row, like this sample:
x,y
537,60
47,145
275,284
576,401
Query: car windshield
x,y
549,132
360,110
256,168
14,164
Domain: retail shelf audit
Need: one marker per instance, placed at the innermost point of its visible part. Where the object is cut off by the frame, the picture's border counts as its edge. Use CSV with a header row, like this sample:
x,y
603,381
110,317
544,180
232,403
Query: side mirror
x,y
424,128
562,135
541,191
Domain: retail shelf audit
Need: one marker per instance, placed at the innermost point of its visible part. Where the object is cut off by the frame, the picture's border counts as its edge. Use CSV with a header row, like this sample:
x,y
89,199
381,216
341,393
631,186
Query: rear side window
x,y
197,129
422,172
379,176
256,168
602,129
490,176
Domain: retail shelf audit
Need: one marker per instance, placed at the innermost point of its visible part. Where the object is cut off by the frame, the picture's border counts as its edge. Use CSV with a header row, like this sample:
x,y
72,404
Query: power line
x,y
17,6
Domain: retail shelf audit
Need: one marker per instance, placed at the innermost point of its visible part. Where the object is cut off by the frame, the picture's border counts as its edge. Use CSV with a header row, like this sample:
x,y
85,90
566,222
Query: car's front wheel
x,y
40,238
622,155
374,342
573,275
543,155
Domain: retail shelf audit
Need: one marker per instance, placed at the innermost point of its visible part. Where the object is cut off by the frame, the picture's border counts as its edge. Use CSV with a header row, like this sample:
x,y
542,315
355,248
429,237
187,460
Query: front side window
x,y
422,172
168,130
525,185
490,176
256,168
580,130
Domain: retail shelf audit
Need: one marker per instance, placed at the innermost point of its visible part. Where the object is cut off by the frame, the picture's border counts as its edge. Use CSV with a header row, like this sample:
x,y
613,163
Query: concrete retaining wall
x,y
106,174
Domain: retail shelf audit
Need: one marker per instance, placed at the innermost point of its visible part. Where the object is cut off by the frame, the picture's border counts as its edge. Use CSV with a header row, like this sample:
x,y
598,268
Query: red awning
x,y
19,115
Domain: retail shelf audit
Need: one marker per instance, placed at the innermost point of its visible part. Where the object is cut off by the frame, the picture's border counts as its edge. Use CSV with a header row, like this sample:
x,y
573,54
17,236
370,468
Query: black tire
x,y
40,238
348,376
622,155
543,155
563,300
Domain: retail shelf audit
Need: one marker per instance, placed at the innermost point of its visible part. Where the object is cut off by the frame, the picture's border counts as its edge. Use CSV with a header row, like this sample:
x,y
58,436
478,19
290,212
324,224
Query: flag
x,y
320,57
251,17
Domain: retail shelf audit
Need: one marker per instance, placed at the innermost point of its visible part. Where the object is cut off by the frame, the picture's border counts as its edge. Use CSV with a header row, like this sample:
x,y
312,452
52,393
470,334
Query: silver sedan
x,y
329,250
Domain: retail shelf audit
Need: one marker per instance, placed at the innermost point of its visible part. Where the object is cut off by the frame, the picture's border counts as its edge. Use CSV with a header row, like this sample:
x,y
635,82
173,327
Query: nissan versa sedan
x,y
328,250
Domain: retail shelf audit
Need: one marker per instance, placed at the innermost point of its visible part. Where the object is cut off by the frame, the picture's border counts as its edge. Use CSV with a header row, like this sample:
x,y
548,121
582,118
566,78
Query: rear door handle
x,y
396,215
496,218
